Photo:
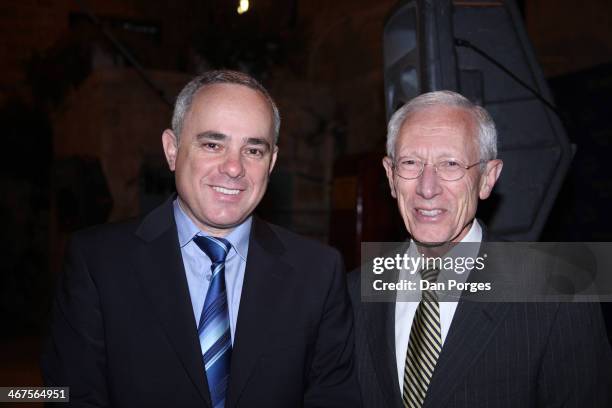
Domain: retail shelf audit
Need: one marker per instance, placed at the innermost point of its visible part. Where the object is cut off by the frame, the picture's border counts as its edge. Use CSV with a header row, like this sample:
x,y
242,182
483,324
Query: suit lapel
x,y
263,280
380,318
472,327
160,270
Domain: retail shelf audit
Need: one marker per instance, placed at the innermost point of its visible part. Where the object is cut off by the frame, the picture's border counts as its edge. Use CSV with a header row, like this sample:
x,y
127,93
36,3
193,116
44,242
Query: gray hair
x,y
487,135
185,97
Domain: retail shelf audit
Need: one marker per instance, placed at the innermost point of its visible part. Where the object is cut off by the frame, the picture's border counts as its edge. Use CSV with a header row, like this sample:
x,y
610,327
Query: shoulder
x,y
294,244
101,247
354,279
128,232
305,260
111,234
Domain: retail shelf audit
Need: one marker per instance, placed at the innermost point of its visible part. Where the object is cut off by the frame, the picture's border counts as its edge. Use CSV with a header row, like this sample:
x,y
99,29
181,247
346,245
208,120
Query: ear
x,y
273,161
388,165
489,178
170,144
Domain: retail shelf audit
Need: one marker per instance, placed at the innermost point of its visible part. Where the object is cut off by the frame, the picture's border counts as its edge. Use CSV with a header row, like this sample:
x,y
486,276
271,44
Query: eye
x,y
409,162
211,145
450,164
254,152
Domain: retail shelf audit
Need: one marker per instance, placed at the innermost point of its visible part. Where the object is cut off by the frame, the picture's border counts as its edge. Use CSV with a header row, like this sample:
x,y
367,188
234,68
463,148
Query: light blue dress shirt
x,y
197,264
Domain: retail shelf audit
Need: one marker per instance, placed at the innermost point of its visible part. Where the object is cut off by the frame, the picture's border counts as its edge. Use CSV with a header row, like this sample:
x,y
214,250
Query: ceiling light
x,y
243,7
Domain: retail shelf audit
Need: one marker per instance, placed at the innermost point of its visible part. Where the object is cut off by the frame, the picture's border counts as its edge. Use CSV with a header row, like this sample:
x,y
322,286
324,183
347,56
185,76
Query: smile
x,y
429,213
225,190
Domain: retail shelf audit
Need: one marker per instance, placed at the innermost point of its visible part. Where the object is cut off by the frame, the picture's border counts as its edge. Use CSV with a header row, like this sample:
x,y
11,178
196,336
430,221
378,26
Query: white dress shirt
x,y
404,311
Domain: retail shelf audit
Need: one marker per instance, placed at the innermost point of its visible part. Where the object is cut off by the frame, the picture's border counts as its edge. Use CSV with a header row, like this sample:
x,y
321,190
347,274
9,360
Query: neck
x,y
207,229
440,248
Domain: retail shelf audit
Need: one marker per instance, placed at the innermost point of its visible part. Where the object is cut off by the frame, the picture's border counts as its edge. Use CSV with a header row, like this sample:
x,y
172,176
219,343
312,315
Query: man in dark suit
x,y
200,303
428,353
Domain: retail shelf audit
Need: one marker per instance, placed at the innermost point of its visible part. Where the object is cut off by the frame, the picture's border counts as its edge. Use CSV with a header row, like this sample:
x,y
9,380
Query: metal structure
x,y
481,50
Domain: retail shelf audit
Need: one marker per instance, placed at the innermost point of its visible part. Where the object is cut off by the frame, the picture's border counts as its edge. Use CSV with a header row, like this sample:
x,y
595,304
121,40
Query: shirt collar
x,y
474,234
186,228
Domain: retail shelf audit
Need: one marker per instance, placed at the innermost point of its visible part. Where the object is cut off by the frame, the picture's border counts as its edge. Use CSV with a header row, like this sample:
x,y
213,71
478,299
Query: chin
x,y
431,238
226,222
432,242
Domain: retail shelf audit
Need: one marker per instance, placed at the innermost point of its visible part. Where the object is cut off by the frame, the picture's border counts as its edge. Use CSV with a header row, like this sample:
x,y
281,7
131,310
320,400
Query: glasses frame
x,y
435,166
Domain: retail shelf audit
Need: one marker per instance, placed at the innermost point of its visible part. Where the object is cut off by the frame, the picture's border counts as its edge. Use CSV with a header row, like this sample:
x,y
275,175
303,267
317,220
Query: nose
x,y
428,185
232,166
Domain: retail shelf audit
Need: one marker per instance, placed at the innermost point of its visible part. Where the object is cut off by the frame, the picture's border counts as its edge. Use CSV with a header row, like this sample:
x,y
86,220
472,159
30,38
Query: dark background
x,y
81,127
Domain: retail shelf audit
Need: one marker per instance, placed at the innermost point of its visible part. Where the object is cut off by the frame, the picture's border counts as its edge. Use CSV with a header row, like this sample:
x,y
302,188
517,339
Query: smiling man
x,y
436,170
441,160
222,154
201,303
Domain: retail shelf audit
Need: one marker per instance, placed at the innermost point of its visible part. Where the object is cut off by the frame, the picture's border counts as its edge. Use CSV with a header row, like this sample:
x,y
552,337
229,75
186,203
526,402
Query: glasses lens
x,y
450,170
409,168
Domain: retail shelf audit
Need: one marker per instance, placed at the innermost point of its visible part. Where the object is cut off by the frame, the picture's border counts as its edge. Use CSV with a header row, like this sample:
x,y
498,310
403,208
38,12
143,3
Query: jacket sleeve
x,y
332,379
576,370
74,351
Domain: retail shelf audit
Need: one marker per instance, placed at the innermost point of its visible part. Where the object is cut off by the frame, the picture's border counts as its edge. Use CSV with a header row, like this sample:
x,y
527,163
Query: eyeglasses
x,y
448,170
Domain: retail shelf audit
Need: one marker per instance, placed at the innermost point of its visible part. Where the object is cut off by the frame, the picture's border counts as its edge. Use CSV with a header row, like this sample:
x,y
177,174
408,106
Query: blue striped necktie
x,y
214,325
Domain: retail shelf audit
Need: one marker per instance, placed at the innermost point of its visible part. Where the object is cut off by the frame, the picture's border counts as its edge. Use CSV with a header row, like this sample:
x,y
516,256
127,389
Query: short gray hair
x,y
185,97
487,134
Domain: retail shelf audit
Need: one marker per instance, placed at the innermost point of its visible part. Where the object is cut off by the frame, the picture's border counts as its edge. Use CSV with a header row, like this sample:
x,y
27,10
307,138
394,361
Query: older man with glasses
x,y
441,160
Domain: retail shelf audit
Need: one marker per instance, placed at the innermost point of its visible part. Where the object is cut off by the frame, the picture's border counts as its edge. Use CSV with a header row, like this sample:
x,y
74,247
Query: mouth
x,y
226,191
429,214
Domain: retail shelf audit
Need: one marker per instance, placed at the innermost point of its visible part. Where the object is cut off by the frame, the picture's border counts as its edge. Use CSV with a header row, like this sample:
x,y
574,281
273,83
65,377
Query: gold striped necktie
x,y
424,345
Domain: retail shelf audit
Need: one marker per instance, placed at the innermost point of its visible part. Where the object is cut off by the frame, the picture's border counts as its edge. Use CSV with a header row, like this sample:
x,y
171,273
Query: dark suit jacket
x,y
495,355
123,332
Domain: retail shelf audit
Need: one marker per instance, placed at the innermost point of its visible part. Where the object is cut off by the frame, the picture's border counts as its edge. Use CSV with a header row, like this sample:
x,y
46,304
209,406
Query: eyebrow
x,y
443,154
212,135
258,141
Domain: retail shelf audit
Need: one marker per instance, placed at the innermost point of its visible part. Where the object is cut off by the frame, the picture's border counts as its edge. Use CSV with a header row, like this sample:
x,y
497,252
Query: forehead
x,y
229,109
437,131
